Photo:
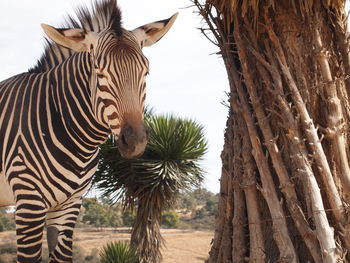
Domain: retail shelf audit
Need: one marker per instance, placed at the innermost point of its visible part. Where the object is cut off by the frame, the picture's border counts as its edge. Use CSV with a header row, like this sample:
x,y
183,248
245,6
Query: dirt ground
x,y
191,247
181,245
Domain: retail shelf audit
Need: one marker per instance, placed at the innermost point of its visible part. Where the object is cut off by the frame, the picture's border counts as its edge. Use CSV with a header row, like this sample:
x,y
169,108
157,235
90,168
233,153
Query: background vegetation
x,y
7,220
194,210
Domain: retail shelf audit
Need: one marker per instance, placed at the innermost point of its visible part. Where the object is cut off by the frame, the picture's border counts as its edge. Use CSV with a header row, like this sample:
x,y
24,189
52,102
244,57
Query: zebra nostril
x,y
126,137
123,140
147,133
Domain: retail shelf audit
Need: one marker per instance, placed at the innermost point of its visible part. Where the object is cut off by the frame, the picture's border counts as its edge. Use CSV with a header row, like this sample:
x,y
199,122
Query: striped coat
x,y
89,83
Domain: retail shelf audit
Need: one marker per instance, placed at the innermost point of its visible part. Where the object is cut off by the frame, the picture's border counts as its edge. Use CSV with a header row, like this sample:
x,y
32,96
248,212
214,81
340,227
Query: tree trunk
x,y
286,177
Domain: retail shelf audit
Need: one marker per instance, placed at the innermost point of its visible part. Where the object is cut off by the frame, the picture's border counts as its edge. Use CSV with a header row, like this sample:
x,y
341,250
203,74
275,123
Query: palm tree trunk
x,y
286,148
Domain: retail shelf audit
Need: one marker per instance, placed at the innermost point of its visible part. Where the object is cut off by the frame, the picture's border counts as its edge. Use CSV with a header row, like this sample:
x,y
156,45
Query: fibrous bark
x,y
288,67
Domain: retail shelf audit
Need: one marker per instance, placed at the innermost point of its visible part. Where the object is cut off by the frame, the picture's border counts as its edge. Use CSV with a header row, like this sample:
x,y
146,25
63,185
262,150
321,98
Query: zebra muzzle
x,y
132,141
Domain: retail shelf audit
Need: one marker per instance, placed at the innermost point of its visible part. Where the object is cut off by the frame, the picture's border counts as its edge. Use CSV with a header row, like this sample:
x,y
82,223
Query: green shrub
x,y
200,213
170,219
7,220
120,252
128,218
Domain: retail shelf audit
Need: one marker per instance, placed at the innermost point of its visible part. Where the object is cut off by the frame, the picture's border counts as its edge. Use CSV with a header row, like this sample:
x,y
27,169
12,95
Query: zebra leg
x,y
30,222
60,226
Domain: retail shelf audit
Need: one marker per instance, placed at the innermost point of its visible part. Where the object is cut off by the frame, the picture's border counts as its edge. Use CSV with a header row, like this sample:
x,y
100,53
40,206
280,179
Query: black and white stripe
x,y
54,117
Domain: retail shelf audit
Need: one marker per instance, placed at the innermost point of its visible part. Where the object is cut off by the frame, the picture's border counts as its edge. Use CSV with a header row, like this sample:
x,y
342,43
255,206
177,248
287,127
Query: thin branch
x,y
256,240
335,117
207,37
239,242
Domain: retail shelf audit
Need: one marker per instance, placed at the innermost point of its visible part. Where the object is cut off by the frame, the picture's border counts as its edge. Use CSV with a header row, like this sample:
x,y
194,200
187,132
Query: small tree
x,y
95,213
211,206
114,218
170,219
188,202
7,221
128,217
169,165
100,214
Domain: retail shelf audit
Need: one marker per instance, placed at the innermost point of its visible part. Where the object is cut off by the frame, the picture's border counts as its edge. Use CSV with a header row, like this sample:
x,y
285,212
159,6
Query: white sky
x,y
184,78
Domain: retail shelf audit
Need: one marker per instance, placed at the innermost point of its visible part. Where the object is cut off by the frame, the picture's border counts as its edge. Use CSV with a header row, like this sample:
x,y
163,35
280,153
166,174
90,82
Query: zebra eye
x,y
100,76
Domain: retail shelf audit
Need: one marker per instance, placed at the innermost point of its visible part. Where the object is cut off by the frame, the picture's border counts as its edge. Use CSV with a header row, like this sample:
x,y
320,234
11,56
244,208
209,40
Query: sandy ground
x,y
181,245
187,246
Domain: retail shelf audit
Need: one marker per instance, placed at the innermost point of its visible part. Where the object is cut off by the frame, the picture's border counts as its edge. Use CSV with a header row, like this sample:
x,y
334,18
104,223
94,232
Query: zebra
x,y
89,83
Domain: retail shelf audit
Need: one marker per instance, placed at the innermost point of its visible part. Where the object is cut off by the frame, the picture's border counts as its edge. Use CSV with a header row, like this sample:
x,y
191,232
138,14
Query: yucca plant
x,y
170,164
118,252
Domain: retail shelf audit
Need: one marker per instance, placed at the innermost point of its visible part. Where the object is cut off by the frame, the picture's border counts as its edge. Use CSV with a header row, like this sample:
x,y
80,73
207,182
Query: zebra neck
x,y
72,101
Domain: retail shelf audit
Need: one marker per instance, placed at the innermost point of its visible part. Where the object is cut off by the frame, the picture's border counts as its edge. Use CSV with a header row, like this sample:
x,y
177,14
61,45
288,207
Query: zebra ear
x,y
75,38
149,34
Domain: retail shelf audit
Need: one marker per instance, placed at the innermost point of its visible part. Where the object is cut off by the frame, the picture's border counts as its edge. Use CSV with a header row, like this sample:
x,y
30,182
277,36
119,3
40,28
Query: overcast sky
x,y
185,79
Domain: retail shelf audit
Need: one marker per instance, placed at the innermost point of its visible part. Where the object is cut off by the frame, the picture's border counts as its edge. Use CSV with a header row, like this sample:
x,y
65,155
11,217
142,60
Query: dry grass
x,y
189,246
182,245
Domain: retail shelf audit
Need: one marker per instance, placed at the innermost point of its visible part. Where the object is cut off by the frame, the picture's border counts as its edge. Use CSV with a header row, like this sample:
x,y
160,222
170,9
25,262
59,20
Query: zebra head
x,y
119,69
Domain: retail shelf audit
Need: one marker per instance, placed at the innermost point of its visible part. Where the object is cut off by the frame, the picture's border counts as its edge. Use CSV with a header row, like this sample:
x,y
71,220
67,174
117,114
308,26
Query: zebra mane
x,y
104,14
